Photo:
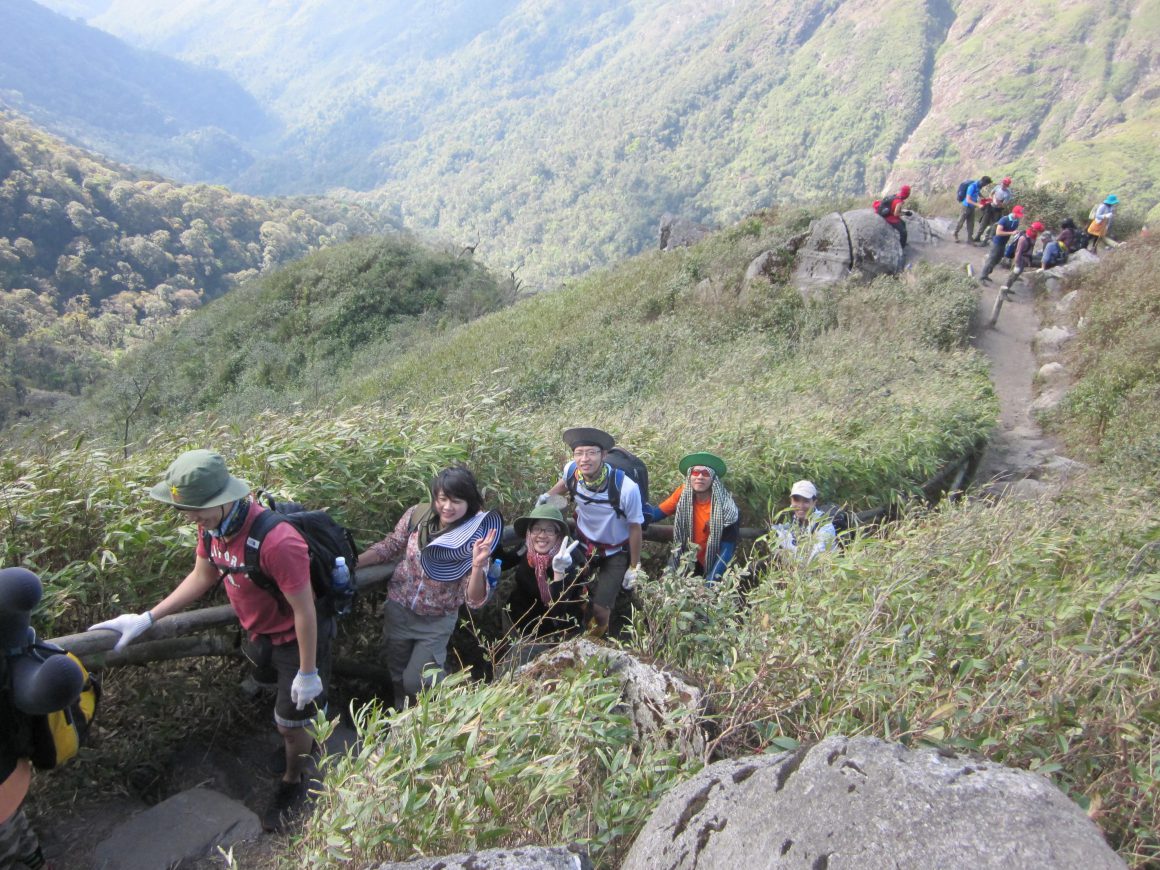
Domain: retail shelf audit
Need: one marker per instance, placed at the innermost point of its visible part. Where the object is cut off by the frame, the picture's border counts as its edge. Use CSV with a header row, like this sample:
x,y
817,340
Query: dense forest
x,y
556,134
95,258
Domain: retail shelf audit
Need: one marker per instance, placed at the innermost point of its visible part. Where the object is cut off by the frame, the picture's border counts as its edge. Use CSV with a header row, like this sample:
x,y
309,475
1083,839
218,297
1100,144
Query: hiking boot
x,y
287,804
986,279
956,237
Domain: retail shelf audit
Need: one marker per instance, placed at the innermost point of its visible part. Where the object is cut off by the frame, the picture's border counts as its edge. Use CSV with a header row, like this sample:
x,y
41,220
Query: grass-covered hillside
x,y
1022,632
867,389
96,258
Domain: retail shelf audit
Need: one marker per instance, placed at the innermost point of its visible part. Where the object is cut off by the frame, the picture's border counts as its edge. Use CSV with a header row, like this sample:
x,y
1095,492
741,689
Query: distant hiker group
x,y
282,570
992,218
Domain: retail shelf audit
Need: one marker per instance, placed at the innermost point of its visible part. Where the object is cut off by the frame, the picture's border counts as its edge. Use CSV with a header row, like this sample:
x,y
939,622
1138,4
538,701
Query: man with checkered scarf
x,y
704,514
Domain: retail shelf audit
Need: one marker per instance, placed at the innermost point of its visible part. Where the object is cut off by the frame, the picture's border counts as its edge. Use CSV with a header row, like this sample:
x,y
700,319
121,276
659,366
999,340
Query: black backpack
x,y
325,539
622,462
843,527
961,193
882,206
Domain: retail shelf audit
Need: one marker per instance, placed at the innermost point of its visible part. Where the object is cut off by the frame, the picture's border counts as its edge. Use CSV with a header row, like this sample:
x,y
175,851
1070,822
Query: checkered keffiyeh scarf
x,y
724,513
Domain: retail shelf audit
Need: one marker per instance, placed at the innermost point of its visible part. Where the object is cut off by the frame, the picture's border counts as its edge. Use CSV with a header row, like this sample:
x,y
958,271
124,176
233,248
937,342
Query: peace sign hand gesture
x,y
562,561
481,550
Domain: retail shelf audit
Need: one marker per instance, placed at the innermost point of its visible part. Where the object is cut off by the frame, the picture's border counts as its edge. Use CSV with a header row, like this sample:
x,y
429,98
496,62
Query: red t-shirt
x,y
702,512
283,556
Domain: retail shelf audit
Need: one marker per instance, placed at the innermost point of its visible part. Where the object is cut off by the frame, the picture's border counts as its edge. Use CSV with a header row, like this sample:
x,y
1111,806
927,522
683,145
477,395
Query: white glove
x,y
562,561
128,624
305,688
542,498
630,578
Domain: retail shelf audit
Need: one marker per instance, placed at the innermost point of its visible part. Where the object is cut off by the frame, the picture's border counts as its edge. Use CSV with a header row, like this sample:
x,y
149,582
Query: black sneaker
x,y
287,803
985,279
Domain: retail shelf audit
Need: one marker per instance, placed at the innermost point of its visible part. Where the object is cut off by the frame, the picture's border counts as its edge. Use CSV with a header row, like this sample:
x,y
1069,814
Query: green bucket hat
x,y
198,479
542,512
706,459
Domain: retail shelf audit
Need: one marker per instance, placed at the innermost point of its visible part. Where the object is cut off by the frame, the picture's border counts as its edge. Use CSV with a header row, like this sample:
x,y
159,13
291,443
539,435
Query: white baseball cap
x,y
805,489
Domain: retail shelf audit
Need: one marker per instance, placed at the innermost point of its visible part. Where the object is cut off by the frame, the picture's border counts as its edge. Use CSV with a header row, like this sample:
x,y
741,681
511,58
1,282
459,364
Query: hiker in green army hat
x,y
548,599
287,632
704,513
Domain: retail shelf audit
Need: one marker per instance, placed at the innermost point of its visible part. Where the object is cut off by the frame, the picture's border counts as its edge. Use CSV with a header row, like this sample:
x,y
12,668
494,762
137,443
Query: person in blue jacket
x,y
972,202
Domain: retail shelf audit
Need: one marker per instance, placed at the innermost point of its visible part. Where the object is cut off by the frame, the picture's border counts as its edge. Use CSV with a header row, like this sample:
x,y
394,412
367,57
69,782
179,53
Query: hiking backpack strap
x,y
615,480
251,567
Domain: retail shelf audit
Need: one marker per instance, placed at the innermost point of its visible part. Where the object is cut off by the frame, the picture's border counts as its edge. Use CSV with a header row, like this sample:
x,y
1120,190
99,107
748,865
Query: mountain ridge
x,y
558,134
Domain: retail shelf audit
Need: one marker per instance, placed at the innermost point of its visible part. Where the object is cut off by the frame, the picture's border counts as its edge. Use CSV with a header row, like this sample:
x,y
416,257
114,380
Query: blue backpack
x,y
1009,251
961,193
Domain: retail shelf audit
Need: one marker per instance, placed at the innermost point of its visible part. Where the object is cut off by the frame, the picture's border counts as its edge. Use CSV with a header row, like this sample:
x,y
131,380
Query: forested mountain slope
x,y
137,106
95,258
558,133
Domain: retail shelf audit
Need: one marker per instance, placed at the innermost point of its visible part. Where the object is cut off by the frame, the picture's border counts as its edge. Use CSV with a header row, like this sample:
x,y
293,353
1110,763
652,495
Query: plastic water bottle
x,y
493,572
342,590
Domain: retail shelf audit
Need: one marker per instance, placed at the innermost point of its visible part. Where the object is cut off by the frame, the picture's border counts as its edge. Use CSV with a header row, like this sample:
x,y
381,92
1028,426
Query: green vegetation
x,y
476,123
1110,415
1016,631
297,334
95,259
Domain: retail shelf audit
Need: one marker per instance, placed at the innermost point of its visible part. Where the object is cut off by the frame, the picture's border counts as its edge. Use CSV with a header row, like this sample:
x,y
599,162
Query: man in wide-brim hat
x,y
609,518
705,515
288,631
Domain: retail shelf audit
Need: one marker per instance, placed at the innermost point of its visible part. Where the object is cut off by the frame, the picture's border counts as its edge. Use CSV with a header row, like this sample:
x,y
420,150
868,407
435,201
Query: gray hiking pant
x,y
994,255
967,217
413,642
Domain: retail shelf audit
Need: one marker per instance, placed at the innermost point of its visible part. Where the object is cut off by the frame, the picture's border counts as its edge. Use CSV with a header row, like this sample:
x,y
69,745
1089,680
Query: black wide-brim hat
x,y
447,558
581,436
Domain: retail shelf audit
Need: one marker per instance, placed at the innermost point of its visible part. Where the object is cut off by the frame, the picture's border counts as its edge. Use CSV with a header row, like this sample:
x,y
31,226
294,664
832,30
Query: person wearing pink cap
x,y
993,206
1004,231
895,218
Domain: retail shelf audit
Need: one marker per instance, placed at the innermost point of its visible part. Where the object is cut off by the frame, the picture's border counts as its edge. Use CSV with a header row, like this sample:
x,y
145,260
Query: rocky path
x,y
1018,450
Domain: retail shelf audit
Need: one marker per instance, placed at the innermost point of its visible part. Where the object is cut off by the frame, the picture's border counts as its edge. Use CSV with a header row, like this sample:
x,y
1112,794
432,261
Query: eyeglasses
x,y
585,452
543,533
700,472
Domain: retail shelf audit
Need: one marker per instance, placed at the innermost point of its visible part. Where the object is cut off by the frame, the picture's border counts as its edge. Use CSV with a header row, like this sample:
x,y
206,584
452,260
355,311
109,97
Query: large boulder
x,y
839,244
516,858
663,707
865,803
185,827
874,243
679,232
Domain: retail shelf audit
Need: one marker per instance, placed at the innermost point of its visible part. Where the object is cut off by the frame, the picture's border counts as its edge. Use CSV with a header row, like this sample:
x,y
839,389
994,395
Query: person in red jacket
x,y
895,218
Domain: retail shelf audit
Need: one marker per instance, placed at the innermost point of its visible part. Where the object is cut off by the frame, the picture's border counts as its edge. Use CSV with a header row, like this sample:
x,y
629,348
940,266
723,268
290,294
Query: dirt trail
x,y
1018,448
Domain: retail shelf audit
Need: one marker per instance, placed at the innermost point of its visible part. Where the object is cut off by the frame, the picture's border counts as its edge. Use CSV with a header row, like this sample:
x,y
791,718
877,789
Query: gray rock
x,y
874,244
523,858
761,265
186,826
825,257
1064,305
864,803
838,244
679,232
662,706
1052,338
1051,373
1048,399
